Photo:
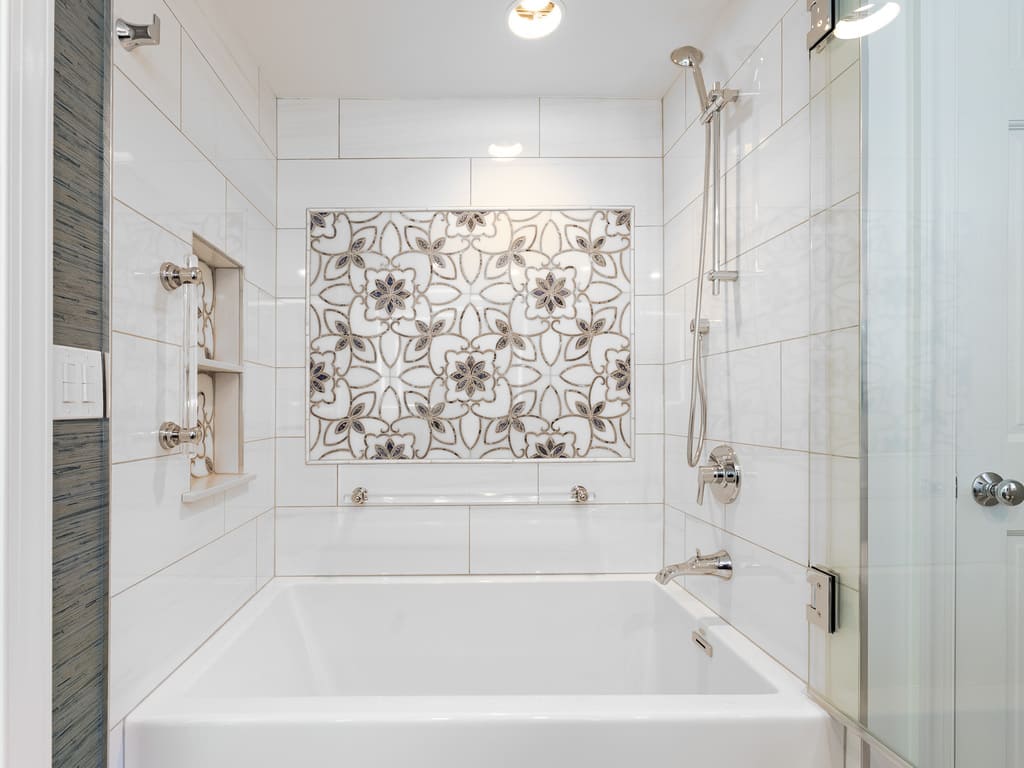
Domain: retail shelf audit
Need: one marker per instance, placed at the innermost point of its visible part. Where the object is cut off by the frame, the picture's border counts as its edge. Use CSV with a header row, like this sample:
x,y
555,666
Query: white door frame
x,y
26,463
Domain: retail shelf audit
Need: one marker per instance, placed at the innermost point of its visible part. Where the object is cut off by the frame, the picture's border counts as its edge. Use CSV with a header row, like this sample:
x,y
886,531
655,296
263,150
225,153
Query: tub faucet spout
x,y
718,564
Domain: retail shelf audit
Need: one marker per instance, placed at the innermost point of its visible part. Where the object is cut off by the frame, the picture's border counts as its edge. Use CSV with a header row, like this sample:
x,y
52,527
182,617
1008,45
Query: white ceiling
x,y
436,48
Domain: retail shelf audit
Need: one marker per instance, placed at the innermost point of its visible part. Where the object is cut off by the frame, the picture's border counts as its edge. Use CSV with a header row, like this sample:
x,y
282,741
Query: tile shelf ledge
x,y
218,366
204,487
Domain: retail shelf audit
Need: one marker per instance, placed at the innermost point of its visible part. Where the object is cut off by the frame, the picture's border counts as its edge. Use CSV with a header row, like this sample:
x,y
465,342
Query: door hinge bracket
x,y
823,610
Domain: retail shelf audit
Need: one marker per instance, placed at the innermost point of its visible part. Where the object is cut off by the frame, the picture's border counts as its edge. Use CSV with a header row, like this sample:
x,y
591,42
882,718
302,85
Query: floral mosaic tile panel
x,y
470,335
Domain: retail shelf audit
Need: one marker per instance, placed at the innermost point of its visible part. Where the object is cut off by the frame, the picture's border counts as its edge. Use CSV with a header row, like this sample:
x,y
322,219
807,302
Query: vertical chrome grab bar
x,y
190,351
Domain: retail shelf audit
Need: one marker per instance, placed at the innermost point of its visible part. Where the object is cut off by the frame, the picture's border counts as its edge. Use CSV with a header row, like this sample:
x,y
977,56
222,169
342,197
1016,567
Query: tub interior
x,y
474,638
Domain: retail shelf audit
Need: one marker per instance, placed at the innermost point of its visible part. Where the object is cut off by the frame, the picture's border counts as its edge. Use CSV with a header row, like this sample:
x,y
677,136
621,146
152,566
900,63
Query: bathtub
x,y
466,672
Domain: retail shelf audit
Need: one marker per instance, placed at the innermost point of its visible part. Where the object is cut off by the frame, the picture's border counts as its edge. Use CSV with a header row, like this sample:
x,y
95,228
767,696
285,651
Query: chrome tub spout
x,y
718,564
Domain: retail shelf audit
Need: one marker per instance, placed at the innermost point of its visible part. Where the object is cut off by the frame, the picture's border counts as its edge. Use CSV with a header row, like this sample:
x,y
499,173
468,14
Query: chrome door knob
x,y
990,489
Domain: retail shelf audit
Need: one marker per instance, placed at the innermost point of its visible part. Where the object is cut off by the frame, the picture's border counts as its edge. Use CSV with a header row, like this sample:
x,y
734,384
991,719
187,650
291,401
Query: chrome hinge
x,y
823,610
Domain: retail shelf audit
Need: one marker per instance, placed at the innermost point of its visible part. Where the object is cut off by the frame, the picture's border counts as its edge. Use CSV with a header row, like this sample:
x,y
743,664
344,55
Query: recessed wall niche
x,y
214,373
483,335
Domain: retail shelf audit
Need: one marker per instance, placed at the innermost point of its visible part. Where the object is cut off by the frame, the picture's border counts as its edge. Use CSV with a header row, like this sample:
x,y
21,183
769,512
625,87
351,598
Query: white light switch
x,y
78,390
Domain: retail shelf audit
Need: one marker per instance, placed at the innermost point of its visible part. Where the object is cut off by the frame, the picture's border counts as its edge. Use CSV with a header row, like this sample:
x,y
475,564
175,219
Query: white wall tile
x,y
150,527
835,393
307,128
155,625
680,488
675,537
453,483
268,114
738,30
757,112
796,382
650,399
382,184
266,339
251,322
567,539
259,397
682,245
265,548
251,240
684,171
835,141
145,392
673,107
746,407
155,69
769,191
436,127
257,496
217,125
796,87
571,183
291,402
677,397
772,507
647,268
600,127
372,540
291,332
835,536
299,484
159,173
835,267
765,599
612,482
291,263
678,339
830,61
648,338
139,303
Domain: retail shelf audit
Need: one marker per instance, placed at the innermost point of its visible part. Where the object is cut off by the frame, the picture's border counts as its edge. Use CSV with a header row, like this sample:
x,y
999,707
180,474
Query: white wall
x,y
434,154
785,330
194,151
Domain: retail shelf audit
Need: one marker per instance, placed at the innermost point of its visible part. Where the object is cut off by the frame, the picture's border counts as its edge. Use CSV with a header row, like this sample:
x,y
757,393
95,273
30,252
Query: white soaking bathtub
x,y
468,672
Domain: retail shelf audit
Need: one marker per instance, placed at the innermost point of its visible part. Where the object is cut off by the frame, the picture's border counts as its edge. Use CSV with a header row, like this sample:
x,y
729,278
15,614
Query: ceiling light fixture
x,y
863,20
533,19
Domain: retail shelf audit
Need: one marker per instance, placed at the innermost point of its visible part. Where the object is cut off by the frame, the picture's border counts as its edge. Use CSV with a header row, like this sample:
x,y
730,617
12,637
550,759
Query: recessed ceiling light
x,y
505,151
532,19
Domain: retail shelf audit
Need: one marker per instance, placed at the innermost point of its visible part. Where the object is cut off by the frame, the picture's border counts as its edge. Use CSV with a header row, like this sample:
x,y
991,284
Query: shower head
x,y
691,57
687,56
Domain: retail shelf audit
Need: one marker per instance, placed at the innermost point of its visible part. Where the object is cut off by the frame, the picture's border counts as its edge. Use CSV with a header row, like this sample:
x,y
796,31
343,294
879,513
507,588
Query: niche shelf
x,y
216,378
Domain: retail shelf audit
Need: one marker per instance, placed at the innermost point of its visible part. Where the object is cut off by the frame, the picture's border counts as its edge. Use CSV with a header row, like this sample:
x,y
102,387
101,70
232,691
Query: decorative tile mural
x,y
470,335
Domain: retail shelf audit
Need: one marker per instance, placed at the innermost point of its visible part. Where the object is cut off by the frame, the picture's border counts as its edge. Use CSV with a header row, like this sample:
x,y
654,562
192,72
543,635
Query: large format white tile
x,y
150,527
765,598
756,113
307,128
566,539
251,240
217,125
648,338
291,402
600,128
299,484
291,332
684,171
571,183
647,268
682,245
158,172
796,383
257,496
372,540
610,482
835,393
649,398
835,535
266,328
451,483
796,87
268,114
835,141
381,184
736,34
259,401
677,397
145,392
772,509
115,746
155,625
291,263
768,192
835,267
680,488
744,405
436,127
155,69
139,303
265,548
678,339
673,110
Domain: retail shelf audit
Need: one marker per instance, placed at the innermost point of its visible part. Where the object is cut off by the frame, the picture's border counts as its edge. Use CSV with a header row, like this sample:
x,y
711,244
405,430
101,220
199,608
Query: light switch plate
x,y
79,383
